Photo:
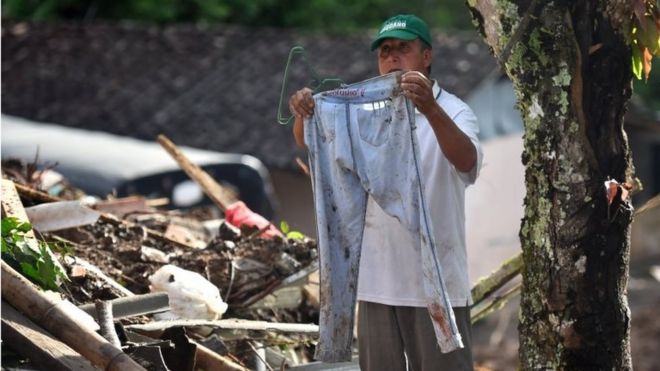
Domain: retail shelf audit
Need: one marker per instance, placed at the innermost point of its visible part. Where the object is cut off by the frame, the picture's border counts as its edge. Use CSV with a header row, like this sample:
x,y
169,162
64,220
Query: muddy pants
x,y
386,332
361,141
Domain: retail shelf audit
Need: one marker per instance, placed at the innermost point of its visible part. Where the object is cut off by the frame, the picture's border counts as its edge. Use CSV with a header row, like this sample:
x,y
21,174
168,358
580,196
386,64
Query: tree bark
x,y
570,66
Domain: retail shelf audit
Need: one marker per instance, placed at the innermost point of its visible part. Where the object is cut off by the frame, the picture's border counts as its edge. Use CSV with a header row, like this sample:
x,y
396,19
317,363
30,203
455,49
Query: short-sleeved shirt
x,y
390,263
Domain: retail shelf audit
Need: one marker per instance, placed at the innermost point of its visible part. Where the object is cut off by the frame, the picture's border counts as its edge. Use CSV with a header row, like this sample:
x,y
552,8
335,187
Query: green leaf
x,y
33,258
24,227
295,235
284,227
637,62
9,224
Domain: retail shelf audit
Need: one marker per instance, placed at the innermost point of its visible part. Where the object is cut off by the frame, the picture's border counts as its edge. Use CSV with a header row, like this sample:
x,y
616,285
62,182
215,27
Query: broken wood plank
x,y
46,311
98,273
218,194
230,324
157,202
122,206
206,359
36,344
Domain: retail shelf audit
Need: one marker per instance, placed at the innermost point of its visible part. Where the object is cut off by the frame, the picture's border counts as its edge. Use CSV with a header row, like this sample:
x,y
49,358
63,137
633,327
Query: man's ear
x,y
428,57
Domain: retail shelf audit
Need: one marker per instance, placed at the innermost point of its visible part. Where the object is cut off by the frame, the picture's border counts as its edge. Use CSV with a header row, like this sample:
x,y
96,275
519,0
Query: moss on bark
x,y
574,313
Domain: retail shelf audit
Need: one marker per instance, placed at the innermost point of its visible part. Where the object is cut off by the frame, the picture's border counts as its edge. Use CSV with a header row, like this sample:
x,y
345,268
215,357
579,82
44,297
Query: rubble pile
x,y
263,281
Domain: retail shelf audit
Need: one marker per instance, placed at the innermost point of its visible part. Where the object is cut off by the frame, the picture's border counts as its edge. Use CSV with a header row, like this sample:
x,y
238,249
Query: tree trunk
x,y
570,66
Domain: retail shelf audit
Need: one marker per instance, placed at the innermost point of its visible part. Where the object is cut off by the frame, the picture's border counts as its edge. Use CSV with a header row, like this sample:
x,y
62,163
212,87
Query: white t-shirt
x,y
390,264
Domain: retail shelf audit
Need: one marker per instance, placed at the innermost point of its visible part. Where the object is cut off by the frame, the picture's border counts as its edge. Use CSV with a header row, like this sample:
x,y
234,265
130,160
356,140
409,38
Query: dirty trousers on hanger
x,y
361,141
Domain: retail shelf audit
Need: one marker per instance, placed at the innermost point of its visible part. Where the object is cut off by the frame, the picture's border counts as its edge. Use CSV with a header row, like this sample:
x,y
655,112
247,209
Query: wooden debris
x,y
33,342
122,206
206,359
158,202
91,268
46,312
230,324
108,218
280,287
218,194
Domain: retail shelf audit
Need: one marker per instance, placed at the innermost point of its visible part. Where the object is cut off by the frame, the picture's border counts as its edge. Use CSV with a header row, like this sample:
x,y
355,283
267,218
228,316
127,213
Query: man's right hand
x,y
301,104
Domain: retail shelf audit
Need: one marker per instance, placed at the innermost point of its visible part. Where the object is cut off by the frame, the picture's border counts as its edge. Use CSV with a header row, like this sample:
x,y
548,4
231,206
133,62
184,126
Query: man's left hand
x,y
419,89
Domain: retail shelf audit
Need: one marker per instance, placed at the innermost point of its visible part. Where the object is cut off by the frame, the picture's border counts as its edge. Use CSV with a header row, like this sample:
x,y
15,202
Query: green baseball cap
x,y
404,27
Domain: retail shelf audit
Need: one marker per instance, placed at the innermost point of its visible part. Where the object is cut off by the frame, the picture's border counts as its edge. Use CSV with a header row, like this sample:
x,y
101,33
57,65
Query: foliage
x,y
33,258
645,36
329,15
293,235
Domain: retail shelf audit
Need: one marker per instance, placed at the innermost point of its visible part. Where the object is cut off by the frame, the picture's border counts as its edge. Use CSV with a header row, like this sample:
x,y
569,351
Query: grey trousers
x,y
386,333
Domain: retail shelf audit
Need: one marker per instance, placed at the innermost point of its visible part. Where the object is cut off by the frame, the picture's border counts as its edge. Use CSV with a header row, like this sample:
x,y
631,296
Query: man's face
x,y
396,55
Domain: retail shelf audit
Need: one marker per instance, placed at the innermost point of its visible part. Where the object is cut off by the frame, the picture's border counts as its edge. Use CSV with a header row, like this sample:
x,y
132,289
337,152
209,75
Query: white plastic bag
x,y
191,295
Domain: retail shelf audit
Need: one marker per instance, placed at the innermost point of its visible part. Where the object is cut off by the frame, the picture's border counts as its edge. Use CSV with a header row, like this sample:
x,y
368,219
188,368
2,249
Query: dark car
x,y
101,163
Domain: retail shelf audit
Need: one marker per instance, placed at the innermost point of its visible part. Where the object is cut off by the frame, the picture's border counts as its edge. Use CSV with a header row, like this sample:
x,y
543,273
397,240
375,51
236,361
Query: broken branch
x,y
487,285
46,311
220,196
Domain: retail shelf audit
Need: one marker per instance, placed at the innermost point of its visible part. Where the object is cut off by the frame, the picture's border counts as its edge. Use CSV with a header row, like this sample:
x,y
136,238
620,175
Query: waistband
x,y
374,89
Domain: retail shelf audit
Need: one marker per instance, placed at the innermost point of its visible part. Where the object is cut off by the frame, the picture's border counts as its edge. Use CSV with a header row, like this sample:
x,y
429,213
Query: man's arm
x,y
455,144
301,105
299,131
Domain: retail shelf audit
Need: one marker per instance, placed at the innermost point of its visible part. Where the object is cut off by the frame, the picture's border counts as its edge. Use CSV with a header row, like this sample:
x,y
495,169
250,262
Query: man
x,y
394,327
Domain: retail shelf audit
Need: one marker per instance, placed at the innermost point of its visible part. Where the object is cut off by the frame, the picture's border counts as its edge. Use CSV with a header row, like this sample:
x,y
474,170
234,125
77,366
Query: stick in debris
x,y
31,341
46,311
230,324
218,194
106,321
206,359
